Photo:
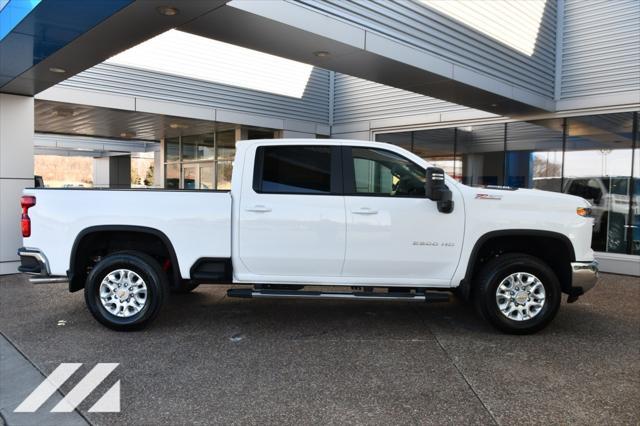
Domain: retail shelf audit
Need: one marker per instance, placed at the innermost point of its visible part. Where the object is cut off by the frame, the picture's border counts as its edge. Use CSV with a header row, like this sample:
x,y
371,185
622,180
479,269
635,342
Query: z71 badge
x,y
483,196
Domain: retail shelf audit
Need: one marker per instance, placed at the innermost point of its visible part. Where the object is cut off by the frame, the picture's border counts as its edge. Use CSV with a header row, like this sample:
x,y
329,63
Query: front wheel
x,y
126,290
517,293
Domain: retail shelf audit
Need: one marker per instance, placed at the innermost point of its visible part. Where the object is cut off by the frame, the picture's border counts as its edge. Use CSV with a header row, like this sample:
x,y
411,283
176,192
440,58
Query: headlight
x,y
584,211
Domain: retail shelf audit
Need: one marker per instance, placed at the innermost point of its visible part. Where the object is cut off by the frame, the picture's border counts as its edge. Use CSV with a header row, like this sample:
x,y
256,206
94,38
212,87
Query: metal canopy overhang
x,y
297,33
75,35
283,29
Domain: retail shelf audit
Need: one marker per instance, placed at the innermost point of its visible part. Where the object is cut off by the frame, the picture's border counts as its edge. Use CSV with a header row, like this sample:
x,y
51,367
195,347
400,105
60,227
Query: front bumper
x,y
584,276
35,263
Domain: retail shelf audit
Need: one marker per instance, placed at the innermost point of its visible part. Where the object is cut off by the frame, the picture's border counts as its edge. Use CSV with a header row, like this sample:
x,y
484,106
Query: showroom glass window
x,y
482,151
596,157
401,139
597,167
435,146
634,206
534,154
204,161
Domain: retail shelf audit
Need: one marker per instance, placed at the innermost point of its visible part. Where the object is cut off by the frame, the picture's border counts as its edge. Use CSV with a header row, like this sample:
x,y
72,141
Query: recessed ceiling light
x,y
321,53
64,112
167,11
57,70
494,105
127,134
178,126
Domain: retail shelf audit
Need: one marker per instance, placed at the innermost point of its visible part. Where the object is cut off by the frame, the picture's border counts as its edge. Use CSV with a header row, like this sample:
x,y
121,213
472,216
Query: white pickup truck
x,y
370,218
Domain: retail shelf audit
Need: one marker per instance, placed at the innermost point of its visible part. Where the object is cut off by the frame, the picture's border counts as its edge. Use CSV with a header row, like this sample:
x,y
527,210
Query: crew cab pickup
x,y
370,220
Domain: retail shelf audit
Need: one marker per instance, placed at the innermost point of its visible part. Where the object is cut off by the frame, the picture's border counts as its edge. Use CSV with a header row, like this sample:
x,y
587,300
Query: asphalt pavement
x,y
209,359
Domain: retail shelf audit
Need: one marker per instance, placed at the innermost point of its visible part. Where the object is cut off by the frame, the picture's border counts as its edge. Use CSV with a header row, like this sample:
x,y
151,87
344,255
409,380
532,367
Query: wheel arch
x,y
77,274
558,256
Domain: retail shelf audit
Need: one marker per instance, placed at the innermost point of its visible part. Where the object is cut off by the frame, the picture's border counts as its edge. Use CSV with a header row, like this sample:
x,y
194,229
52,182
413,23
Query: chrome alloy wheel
x,y
520,296
123,293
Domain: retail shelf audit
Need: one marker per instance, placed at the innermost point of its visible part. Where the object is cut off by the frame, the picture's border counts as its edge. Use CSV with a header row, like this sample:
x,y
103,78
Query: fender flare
x,y
72,274
465,284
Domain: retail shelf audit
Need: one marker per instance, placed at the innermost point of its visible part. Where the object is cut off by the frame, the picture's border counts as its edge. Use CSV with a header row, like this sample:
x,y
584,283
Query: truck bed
x,y
198,223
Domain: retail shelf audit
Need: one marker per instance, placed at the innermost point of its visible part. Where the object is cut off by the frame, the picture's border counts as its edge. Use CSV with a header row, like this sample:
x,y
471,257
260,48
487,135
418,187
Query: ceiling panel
x,y
74,119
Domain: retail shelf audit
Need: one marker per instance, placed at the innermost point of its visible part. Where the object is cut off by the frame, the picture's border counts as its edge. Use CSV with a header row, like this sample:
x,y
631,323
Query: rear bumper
x,y
584,276
35,263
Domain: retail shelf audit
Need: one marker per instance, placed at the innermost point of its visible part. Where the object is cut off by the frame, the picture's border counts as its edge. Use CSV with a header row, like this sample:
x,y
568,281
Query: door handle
x,y
258,209
364,210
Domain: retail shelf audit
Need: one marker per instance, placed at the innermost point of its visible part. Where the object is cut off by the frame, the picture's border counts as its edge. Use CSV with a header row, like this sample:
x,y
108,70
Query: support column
x,y
112,172
158,169
101,172
16,173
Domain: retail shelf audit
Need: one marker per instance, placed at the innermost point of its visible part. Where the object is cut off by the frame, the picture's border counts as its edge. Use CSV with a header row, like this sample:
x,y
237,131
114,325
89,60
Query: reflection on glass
x,y
189,147
172,149
190,177
260,134
437,147
206,176
634,229
534,154
482,151
597,164
205,148
598,168
224,169
401,139
172,176
226,144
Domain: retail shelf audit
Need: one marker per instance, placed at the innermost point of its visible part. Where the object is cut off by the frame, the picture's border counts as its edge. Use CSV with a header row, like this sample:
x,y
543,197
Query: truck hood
x,y
534,199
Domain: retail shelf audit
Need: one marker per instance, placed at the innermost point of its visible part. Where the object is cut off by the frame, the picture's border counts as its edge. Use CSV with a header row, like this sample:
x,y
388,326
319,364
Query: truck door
x,y
292,219
394,233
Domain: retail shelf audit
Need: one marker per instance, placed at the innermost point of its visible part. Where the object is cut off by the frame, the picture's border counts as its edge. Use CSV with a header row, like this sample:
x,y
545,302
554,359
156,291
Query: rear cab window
x,y
297,169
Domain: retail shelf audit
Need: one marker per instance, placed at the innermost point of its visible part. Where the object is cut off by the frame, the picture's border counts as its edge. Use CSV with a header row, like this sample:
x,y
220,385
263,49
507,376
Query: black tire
x,y
184,287
487,282
154,278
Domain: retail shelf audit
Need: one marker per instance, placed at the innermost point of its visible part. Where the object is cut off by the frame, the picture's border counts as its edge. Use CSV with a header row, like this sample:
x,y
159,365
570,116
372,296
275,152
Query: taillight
x,y
26,201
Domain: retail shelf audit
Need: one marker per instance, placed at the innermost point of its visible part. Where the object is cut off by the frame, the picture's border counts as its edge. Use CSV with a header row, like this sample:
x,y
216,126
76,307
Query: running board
x,y
48,280
300,294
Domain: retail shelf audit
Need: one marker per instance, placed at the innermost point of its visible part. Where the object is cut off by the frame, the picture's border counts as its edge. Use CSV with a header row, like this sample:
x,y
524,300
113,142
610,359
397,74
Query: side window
x,y
293,169
381,172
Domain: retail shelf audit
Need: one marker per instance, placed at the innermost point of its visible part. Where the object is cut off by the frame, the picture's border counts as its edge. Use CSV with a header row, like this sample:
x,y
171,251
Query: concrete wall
x,y
16,172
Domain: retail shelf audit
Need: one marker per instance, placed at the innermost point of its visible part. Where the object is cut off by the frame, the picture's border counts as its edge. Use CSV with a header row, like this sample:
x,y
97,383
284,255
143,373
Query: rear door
x,y
292,219
394,234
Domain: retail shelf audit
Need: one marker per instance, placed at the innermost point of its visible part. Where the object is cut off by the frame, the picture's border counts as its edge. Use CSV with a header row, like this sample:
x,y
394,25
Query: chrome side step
x,y
48,280
301,294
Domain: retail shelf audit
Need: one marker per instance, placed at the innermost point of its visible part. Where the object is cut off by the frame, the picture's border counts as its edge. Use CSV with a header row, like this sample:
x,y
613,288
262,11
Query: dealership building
x,y
539,94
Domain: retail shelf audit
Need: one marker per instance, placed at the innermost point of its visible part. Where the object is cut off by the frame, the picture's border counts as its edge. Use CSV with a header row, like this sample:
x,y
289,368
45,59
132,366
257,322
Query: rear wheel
x,y
126,290
517,293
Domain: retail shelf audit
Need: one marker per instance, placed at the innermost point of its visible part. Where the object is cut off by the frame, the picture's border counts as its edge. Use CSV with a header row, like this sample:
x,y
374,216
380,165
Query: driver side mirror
x,y
436,189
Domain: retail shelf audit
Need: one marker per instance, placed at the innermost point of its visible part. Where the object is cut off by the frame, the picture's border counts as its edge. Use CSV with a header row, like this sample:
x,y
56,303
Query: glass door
x,y
190,176
206,176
